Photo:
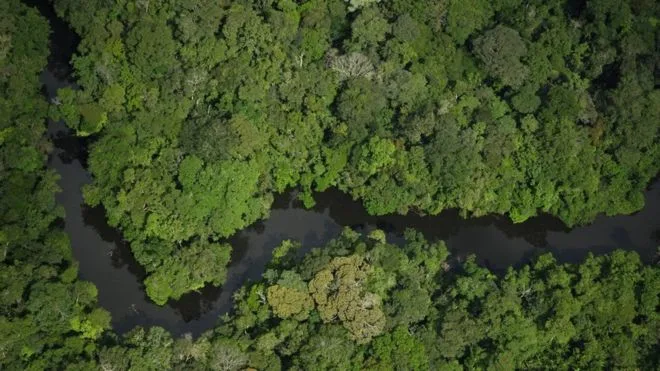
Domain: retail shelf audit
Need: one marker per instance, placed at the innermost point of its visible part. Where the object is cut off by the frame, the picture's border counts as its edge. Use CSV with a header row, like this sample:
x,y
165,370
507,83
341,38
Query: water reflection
x,y
444,226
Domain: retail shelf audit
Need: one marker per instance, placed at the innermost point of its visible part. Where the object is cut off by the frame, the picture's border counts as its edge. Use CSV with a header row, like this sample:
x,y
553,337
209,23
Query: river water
x,y
105,258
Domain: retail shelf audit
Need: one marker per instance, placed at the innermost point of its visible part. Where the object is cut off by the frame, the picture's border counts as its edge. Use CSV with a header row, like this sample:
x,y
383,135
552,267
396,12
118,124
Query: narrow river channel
x,y
105,259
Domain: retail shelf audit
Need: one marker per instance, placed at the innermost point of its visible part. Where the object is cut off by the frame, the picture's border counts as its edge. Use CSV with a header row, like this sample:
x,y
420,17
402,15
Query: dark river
x,y
105,259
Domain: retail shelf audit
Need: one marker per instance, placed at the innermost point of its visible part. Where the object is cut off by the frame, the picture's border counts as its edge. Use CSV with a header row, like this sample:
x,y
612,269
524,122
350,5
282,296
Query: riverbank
x,y
105,259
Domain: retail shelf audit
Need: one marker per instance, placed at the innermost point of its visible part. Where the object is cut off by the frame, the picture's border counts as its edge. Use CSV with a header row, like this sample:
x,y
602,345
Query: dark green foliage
x,y
48,319
489,107
205,109
601,314
466,17
500,50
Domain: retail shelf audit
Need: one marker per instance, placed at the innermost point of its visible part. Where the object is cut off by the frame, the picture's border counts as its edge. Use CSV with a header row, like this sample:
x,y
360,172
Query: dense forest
x,y
47,316
200,111
204,109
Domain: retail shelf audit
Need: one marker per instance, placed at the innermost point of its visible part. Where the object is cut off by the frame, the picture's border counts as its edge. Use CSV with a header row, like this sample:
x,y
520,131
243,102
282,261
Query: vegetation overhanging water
x,y
106,260
375,295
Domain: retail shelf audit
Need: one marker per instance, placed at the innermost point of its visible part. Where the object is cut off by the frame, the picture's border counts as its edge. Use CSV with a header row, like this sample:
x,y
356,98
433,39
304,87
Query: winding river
x,y
105,258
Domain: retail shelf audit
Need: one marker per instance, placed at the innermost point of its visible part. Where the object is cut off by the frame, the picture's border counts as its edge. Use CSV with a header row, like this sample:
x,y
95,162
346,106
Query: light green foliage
x,y
93,119
378,235
93,325
464,17
377,155
189,269
226,355
139,349
287,302
398,350
286,250
337,291
357,4
203,112
600,314
350,302
368,30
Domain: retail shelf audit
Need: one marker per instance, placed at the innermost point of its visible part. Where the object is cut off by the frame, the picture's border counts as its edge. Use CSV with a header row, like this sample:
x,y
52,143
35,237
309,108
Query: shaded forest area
x,y
202,110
